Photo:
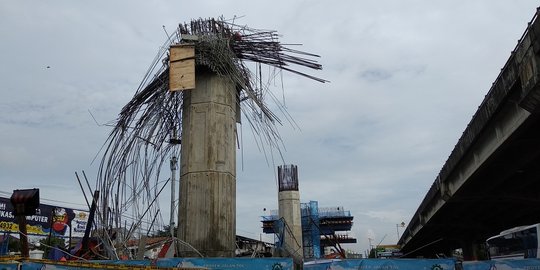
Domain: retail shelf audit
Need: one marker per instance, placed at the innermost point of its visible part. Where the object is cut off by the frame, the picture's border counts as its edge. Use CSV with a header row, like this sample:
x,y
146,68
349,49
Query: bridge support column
x,y
289,211
207,212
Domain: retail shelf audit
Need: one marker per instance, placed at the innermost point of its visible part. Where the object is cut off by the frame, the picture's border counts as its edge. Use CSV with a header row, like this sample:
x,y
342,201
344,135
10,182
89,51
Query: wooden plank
x,y
181,52
181,67
182,75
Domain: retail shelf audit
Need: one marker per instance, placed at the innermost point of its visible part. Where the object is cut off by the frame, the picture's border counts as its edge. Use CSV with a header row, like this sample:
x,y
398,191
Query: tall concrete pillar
x,y
207,211
289,210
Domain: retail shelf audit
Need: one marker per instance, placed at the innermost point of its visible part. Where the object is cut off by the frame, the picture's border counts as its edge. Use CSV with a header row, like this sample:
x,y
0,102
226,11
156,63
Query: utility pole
x,y
402,224
174,167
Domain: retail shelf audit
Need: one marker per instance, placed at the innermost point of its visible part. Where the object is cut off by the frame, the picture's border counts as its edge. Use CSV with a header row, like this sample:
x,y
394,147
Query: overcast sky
x,y
405,79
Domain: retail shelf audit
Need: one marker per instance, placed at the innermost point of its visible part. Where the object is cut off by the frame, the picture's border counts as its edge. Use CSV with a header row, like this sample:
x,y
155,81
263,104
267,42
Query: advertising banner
x,y
49,219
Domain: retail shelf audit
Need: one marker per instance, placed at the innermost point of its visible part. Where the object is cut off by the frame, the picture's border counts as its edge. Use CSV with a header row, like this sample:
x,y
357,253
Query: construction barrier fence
x,y
277,264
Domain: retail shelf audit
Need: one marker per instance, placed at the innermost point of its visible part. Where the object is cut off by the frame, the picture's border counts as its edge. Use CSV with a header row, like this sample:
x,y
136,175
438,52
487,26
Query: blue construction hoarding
x,y
177,263
287,264
422,264
382,264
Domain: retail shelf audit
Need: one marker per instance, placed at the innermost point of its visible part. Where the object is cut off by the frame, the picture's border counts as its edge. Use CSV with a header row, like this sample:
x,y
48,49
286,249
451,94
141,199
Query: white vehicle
x,y
516,243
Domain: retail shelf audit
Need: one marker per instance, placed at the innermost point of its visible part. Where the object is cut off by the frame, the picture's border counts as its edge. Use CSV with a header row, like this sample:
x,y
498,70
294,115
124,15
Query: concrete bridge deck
x,y
491,180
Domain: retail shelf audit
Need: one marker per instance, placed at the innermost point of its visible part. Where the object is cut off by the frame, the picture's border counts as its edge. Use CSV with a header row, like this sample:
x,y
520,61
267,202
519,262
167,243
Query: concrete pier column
x,y
207,210
289,210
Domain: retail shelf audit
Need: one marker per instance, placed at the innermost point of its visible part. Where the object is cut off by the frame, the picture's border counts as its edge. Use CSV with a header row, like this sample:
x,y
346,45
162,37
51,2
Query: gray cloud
x,y
374,75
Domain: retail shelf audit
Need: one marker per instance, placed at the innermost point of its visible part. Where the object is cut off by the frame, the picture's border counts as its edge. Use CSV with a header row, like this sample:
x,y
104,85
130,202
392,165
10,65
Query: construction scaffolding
x,y
321,227
311,233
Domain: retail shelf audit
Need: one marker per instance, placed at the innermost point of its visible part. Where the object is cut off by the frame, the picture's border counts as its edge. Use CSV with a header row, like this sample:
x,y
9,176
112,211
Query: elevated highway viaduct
x,y
491,180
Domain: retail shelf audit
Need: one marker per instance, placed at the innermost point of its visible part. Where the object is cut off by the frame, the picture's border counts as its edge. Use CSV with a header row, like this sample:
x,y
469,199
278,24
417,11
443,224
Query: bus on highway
x,y
519,242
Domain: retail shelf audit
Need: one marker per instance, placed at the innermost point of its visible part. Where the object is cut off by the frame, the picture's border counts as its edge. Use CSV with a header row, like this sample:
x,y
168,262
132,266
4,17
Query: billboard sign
x,y
49,219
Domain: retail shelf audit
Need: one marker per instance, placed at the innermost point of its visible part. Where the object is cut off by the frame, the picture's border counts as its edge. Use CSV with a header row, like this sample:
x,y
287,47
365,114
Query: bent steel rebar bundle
x,y
147,129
